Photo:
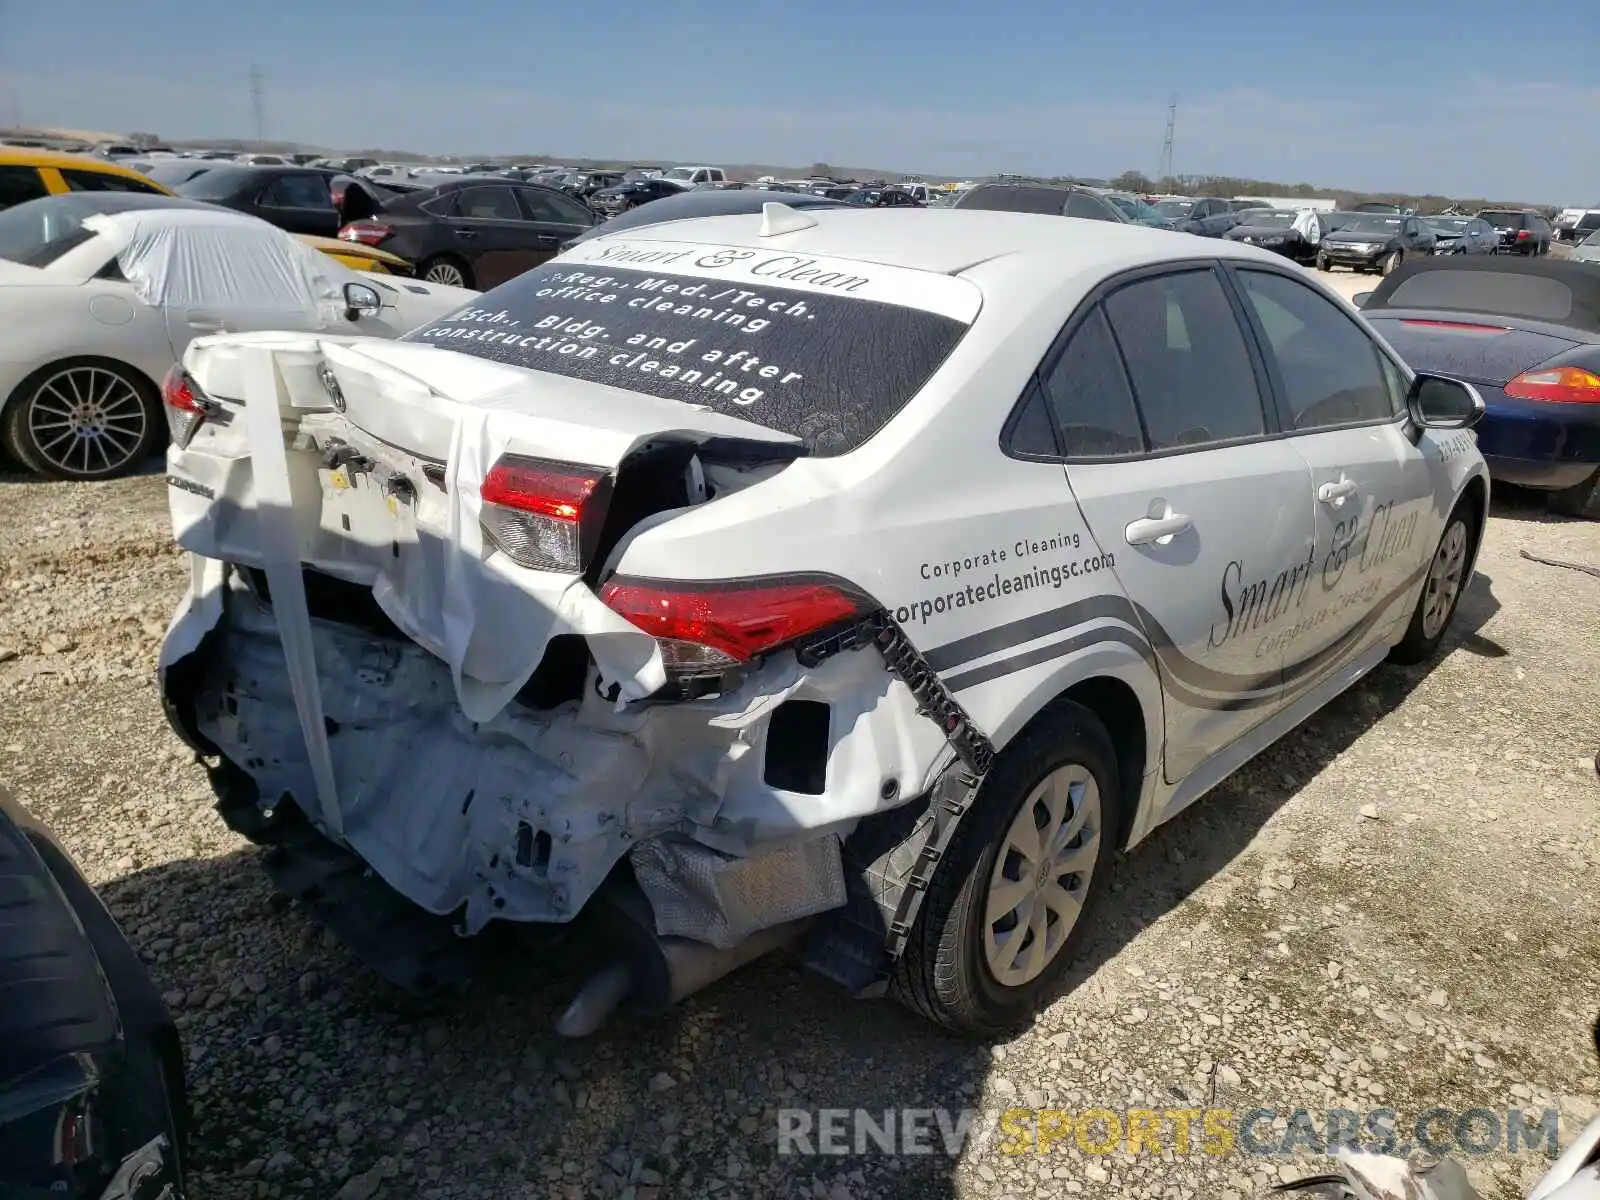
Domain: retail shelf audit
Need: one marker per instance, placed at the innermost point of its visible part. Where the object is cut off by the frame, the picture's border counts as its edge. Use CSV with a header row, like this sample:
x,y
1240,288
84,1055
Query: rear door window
x,y
1089,395
488,204
1187,359
18,185
298,191
827,350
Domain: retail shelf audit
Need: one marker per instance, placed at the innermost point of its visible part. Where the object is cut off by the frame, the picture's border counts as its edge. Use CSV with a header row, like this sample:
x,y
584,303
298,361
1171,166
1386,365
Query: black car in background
x,y
474,232
1375,242
1522,231
1273,229
1037,196
296,199
584,184
882,197
92,1099
1463,235
613,200
1207,216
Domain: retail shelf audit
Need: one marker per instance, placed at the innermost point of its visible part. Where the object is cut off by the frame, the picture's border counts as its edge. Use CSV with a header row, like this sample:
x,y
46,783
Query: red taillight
x,y
186,406
715,626
368,233
545,515
1522,235
1565,385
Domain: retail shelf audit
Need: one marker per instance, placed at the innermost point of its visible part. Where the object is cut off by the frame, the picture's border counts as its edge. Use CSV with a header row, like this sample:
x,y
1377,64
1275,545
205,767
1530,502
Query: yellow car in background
x,y
27,174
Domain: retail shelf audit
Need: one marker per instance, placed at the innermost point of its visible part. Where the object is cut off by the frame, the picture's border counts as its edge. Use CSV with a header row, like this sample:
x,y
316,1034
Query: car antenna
x,y
780,218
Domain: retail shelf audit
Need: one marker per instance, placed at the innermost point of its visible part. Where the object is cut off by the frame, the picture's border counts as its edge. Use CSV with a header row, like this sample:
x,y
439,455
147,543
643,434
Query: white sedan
x,y
101,293
889,569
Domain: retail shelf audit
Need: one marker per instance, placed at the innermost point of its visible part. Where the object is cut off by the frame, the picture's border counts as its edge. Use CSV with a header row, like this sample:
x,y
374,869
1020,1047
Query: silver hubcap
x,y
1041,876
445,273
87,420
1444,579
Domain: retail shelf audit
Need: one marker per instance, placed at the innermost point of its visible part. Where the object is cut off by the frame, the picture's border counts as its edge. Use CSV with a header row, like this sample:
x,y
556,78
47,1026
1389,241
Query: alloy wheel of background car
x,y
1041,874
446,272
1391,263
1442,587
1322,263
82,420
947,972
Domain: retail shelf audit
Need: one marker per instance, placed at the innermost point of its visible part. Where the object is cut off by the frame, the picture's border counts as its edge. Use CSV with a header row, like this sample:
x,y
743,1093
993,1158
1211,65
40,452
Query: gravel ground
x,y
1396,905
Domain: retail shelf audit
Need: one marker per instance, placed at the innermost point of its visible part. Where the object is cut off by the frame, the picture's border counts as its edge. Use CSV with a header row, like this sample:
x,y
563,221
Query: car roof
x,y
696,205
1029,249
1580,278
29,156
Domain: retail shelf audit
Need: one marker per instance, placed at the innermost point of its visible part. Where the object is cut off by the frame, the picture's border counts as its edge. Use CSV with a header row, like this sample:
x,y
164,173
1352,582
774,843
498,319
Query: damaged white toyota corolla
x,y
866,578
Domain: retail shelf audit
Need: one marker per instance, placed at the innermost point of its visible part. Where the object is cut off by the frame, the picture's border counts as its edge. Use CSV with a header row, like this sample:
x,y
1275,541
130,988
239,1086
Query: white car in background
x,y
890,570
102,292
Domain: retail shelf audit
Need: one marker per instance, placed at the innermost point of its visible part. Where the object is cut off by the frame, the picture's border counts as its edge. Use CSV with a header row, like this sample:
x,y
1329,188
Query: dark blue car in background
x,y
1526,333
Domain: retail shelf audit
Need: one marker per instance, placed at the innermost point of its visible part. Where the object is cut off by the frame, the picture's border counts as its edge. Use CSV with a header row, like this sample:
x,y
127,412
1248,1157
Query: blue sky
x,y
1465,97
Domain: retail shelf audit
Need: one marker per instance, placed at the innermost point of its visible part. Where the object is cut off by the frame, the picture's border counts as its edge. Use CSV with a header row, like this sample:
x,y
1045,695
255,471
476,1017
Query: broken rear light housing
x,y
543,514
185,404
710,628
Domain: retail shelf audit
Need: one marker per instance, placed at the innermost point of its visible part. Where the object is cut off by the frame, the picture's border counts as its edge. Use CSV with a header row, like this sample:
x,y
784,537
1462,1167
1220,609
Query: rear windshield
x,y
1269,219
1497,293
1503,220
1004,198
822,364
37,233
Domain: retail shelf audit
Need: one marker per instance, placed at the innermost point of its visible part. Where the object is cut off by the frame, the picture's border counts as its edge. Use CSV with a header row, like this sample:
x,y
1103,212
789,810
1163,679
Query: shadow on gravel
x,y
306,1070
311,1077
13,472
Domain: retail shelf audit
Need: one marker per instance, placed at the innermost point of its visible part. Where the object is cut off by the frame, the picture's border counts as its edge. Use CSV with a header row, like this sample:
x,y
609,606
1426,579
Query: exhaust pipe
x,y
657,972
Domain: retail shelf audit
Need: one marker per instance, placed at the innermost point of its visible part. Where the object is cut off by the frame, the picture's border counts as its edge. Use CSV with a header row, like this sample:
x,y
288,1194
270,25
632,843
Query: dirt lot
x,y
1398,905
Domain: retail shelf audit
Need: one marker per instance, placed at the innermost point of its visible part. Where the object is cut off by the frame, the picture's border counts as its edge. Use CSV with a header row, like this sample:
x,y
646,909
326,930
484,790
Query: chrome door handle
x,y
1336,493
1157,529
466,233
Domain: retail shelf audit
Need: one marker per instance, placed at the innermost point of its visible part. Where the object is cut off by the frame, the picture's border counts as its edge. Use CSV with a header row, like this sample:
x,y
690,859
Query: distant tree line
x,y
1229,185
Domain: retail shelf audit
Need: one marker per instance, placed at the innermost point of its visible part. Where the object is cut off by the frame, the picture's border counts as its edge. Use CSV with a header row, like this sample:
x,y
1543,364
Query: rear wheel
x,y
1579,500
1446,579
1012,896
83,419
446,269
1323,264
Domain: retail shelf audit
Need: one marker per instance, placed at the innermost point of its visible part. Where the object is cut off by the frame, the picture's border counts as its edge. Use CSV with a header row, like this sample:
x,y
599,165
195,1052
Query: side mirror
x,y
1360,299
1439,403
361,301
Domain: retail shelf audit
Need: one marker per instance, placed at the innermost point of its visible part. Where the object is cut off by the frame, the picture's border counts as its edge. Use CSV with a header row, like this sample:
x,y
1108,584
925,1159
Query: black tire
x,y
1391,263
446,262
21,441
943,974
1579,500
1419,644
1323,264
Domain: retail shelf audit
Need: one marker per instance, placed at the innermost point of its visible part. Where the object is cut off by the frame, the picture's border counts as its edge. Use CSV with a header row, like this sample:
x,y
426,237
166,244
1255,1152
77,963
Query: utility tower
x,y
256,104
1164,170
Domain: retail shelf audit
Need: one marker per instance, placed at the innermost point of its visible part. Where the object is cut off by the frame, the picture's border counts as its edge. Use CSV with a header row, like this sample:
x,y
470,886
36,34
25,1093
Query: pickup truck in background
x,y
689,177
